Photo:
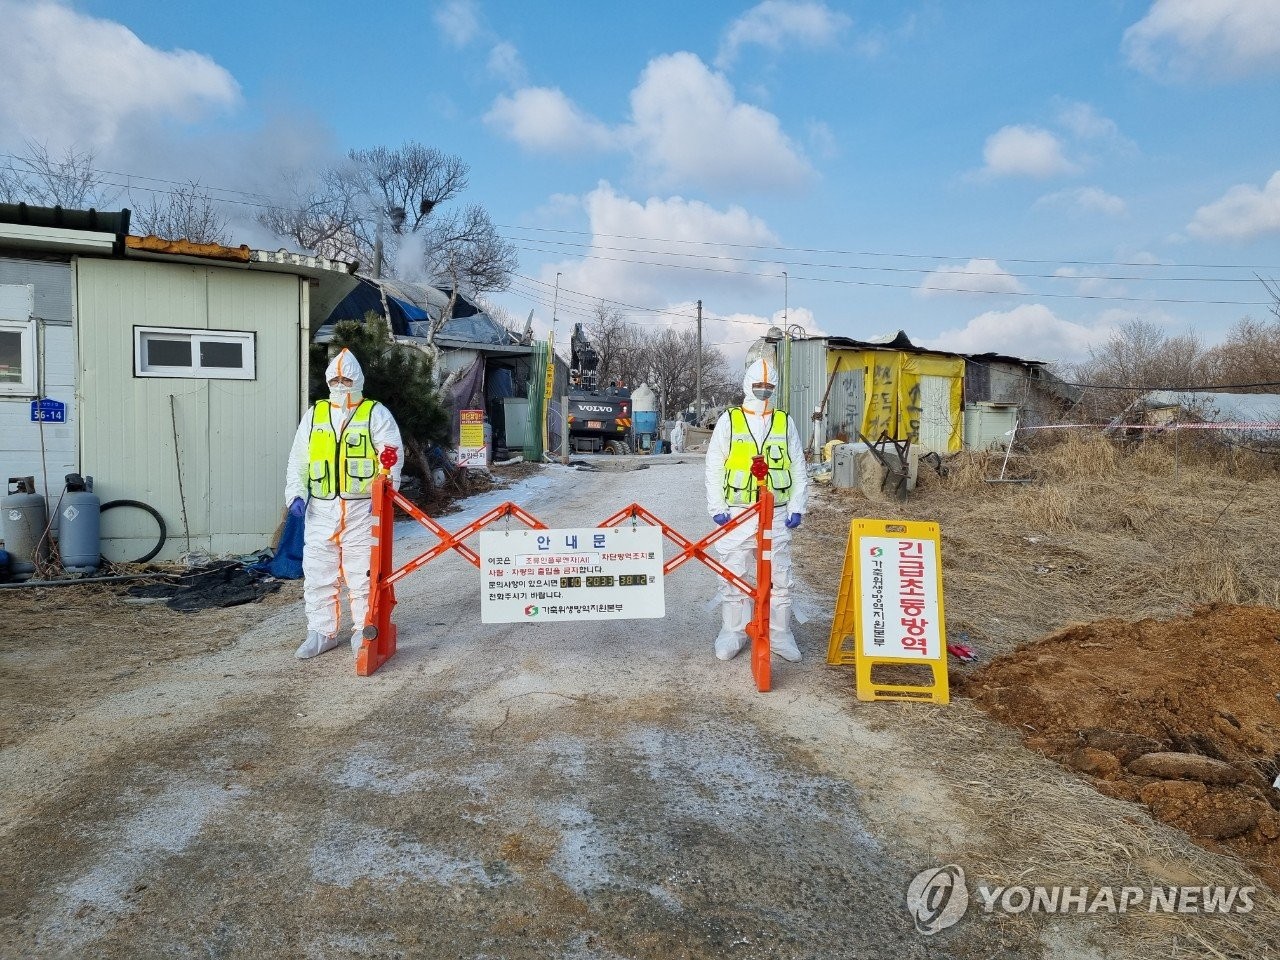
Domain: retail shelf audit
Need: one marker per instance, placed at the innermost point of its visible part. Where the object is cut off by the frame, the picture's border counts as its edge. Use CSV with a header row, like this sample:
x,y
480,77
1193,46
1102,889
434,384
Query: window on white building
x,y
207,354
17,340
17,358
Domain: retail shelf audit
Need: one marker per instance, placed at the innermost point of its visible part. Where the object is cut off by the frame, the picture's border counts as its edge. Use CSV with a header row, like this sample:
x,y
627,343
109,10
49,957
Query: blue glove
x,y
298,507
721,519
793,521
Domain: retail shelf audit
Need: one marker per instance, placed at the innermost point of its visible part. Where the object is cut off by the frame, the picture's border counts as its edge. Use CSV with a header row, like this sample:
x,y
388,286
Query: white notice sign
x,y
900,598
532,576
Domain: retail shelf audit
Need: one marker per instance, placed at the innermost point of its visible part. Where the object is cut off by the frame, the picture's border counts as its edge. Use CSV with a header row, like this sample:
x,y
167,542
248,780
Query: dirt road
x,y
593,790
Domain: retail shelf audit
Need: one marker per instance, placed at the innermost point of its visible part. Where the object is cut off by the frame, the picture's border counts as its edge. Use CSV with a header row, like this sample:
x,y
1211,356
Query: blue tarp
x,y
366,298
287,563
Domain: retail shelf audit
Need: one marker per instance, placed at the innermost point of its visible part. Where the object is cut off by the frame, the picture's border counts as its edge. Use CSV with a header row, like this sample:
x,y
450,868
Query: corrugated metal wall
x,y
232,436
846,404
936,415
808,381
20,439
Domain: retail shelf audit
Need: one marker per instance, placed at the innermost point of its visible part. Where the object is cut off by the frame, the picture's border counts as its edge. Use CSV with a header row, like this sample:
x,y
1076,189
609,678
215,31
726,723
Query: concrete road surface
x,y
586,790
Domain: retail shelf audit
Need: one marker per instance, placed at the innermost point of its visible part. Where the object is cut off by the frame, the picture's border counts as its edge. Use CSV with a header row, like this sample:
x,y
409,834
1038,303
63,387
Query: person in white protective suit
x,y
756,428
677,437
335,455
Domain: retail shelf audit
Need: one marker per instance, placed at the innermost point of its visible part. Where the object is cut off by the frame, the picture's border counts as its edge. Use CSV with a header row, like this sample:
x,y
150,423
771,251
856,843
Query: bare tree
x,y
468,241
12,188
379,196
414,178
1139,357
329,215
610,335
186,213
1273,289
41,178
1250,353
671,356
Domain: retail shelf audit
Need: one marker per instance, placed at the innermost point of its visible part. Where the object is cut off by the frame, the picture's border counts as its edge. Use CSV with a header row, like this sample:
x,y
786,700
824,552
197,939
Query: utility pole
x,y
698,368
396,216
550,386
555,303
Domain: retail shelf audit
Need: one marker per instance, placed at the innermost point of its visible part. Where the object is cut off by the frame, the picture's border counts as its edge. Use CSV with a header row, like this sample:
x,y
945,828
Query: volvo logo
x,y
593,409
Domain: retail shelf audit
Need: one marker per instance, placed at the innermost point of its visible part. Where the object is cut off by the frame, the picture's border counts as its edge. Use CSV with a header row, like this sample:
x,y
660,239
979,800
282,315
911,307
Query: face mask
x,y
761,393
342,397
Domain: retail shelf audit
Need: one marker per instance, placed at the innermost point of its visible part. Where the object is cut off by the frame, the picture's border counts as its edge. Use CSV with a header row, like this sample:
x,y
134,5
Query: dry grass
x,y
1105,529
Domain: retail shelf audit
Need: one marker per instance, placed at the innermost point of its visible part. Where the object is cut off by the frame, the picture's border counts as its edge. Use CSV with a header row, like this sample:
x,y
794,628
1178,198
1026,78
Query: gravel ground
x,y
594,790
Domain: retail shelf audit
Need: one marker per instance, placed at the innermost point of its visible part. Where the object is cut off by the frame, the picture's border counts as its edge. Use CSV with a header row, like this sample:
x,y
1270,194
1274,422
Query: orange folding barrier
x,y
379,643
758,628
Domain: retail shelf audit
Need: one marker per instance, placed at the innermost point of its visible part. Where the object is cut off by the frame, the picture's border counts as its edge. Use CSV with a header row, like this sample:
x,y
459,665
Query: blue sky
x,y
1009,176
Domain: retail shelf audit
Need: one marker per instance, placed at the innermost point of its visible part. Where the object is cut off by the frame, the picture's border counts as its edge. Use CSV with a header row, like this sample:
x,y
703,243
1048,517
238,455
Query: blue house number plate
x,y
48,411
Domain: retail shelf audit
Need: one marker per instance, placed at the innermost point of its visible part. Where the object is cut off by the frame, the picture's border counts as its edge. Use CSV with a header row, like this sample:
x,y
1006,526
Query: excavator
x,y
599,419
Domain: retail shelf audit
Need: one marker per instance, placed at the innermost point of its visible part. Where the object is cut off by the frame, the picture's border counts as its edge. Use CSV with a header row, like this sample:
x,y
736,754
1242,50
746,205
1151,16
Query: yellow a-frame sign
x,y
890,607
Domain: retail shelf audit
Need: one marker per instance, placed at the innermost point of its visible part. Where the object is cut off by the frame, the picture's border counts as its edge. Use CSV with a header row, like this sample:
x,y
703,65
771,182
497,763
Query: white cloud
x,y
1024,151
459,20
1089,284
73,78
782,25
976,276
543,119
1083,120
706,265
688,129
1031,331
1085,199
1242,213
822,139
505,63
1179,39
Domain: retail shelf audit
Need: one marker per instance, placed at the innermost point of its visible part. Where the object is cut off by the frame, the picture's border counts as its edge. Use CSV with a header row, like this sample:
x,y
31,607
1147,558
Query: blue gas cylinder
x,y
79,525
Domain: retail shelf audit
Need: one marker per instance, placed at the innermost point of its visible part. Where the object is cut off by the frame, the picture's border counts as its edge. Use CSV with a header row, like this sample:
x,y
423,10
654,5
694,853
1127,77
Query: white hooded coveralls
x,y
677,437
737,548
338,539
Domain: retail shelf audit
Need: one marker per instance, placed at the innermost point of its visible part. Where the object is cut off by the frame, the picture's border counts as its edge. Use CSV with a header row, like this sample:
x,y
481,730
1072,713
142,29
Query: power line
x,y
259,201
1210,388
577,245
592,301
906,286
874,253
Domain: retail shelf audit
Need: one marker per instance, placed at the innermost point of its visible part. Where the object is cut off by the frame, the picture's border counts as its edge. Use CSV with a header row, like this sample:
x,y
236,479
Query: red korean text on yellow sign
x,y
889,609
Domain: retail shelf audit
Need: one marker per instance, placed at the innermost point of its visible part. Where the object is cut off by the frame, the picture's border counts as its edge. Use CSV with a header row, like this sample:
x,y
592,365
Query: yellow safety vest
x,y
351,457
740,487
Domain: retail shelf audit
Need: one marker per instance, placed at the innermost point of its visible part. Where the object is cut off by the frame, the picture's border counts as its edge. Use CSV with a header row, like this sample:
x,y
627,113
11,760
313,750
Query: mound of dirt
x,y
1181,715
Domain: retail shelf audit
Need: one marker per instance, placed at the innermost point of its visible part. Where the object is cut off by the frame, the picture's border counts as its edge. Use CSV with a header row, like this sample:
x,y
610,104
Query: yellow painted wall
x,y
895,403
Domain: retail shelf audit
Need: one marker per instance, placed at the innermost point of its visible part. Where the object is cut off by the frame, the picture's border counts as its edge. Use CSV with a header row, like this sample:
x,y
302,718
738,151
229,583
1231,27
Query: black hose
x,y
149,509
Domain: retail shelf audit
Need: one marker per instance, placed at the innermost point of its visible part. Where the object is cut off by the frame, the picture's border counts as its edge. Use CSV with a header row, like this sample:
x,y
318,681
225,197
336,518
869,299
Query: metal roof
x,y
61,230
900,341
63,218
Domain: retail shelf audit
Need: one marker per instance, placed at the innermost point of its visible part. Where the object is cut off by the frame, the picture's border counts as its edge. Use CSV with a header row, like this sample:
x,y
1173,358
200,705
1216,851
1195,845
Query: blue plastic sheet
x,y
287,563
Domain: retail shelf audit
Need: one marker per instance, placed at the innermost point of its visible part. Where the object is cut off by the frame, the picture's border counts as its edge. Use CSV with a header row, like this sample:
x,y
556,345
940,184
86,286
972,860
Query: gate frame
x,y
378,644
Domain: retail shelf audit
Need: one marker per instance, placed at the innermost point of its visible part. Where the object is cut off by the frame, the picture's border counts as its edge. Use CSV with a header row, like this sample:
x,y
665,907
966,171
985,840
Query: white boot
x,y
781,640
729,645
315,644
734,617
784,645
